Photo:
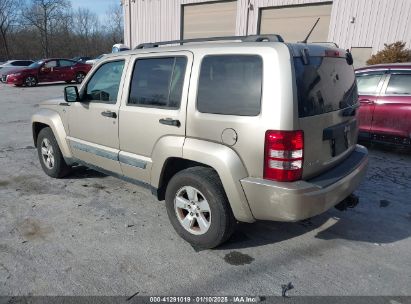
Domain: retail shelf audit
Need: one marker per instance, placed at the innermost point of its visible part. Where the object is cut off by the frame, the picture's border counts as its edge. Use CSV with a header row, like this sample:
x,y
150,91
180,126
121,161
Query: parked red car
x,y
49,70
385,98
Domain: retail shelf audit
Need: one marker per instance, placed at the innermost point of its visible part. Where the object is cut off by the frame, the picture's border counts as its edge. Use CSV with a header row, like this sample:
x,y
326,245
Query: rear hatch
x,y
327,105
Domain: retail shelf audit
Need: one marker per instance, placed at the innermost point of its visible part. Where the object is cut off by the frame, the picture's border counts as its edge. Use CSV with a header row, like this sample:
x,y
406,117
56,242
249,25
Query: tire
x,y
30,81
220,218
80,77
51,160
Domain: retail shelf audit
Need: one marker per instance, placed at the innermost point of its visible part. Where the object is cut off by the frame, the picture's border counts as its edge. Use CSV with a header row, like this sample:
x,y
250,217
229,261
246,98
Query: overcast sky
x,y
98,6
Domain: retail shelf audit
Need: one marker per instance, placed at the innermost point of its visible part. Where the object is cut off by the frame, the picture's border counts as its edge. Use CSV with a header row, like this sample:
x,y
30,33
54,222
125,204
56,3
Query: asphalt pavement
x,y
91,234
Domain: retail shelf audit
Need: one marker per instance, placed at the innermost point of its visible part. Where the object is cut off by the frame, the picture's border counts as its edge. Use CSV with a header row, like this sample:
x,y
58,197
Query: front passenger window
x,y
51,64
104,84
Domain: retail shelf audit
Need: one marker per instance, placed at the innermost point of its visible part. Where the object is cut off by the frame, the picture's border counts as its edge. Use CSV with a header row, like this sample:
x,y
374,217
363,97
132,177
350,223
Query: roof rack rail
x,y
251,38
325,42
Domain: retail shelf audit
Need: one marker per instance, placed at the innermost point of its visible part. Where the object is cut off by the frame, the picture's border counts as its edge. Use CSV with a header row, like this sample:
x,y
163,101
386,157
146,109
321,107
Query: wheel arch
x,y
47,118
222,159
171,167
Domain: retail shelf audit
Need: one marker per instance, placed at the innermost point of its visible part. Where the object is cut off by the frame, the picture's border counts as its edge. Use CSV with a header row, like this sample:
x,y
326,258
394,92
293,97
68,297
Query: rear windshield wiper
x,y
350,111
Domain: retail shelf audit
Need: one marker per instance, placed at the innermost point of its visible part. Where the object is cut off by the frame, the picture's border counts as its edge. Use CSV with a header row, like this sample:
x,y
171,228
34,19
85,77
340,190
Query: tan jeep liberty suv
x,y
251,128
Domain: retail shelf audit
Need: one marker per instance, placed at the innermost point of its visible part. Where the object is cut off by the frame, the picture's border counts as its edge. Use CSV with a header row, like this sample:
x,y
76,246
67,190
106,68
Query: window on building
x,y
158,82
230,85
400,84
368,84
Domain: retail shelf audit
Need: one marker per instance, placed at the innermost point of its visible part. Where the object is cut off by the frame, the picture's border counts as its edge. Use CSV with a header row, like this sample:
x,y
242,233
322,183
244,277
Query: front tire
x,y
50,156
30,81
198,208
80,77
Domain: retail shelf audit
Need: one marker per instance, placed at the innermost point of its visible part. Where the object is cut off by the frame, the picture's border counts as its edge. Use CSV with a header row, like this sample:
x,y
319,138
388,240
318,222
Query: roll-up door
x,y
294,22
209,20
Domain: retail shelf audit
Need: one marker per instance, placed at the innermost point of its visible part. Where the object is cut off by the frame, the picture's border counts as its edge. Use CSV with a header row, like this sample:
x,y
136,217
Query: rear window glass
x,y
368,84
325,84
400,84
230,85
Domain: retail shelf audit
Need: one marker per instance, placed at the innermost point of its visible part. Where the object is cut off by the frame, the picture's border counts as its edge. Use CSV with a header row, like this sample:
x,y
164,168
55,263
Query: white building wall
x,y
376,21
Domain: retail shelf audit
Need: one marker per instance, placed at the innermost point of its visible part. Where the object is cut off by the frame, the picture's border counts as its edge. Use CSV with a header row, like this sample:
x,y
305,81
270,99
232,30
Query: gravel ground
x,y
91,234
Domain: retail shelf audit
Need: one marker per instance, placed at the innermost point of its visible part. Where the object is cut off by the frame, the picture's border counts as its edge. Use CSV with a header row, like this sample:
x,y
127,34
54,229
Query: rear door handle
x,y
109,114
170,122
366,101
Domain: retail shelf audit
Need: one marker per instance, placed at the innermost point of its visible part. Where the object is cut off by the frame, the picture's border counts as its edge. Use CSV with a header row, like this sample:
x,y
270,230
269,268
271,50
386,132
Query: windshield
x,y
325,84
36,64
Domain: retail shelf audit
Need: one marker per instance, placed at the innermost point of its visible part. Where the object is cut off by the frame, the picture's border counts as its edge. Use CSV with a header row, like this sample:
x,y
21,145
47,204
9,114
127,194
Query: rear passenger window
x,y
230,85
158,82
368,84
400,84
66,63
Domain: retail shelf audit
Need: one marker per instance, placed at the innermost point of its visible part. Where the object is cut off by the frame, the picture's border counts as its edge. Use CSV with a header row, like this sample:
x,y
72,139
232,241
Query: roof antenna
x,y
312,29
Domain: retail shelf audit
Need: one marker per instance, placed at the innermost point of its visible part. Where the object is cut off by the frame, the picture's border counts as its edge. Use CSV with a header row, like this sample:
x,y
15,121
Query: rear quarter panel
x,y
277,105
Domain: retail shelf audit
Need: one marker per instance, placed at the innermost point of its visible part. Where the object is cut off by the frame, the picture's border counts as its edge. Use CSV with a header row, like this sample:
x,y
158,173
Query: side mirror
x,y
71,94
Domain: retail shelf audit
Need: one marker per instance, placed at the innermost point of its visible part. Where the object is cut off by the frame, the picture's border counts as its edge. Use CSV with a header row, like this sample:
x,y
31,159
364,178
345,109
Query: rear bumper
x,y
289,202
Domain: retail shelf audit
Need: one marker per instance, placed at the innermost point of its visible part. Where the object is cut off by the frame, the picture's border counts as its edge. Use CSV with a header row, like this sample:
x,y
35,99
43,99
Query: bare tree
x,y
85,25
44,15
115,25
9,15
45,28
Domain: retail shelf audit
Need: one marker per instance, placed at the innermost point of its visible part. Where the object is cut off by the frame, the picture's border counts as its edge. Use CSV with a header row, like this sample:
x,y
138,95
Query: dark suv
x,y
385,97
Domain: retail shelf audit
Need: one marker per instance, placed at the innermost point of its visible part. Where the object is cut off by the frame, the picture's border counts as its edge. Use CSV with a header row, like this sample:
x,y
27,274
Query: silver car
x,y
12,65
254,129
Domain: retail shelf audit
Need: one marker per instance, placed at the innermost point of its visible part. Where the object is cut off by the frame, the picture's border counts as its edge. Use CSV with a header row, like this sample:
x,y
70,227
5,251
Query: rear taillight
x,y
283,155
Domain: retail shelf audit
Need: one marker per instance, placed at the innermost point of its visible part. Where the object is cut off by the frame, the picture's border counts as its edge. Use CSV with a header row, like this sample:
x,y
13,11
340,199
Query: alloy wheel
x,y
47,153
30,81
192,210
80,77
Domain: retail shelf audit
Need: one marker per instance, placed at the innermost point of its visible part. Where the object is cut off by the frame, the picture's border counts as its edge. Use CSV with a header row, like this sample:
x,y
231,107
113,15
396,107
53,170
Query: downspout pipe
x,y
129,24
248,17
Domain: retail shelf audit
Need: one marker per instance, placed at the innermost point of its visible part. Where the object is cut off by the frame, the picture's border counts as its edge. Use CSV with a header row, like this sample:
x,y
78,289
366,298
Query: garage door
x,y
209,20
294,23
